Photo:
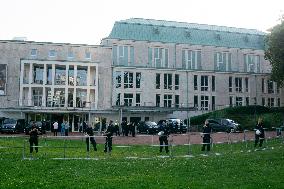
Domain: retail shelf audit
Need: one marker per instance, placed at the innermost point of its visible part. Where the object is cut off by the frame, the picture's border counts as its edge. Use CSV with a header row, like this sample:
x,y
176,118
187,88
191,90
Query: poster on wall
x,y
3,78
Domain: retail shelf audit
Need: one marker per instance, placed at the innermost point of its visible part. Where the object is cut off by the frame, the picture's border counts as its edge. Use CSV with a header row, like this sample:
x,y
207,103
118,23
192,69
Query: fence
x,y
140,146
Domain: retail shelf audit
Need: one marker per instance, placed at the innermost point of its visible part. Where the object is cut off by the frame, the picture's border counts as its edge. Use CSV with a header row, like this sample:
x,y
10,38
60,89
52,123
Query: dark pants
x,y
108,144
164,140
206,143
260,139
93,142
55,132
33,142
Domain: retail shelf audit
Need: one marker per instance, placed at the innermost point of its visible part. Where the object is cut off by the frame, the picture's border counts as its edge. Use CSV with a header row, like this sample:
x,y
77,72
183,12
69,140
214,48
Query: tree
x,y
275,52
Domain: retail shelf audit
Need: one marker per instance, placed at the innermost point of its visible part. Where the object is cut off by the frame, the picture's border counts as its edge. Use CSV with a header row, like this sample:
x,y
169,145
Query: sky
x,y
89,21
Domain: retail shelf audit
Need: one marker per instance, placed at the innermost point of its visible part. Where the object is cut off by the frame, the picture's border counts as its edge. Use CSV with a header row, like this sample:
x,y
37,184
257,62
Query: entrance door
x,y
135,120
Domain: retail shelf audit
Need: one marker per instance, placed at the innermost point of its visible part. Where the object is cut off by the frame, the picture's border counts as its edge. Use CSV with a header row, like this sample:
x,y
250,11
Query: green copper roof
x,y
187,33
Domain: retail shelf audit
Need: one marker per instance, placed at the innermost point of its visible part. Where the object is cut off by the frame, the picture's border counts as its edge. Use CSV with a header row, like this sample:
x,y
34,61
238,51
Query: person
x,y
123,127
259,133
66,128
33,138
133,129
116,128
109,132
164,132
62,129
206,136
55,128
90,138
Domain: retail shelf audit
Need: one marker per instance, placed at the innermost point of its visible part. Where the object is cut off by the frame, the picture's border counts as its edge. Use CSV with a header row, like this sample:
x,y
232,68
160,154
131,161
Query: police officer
x,y
109,132
33,138
259,133
90,133
164,133
206,136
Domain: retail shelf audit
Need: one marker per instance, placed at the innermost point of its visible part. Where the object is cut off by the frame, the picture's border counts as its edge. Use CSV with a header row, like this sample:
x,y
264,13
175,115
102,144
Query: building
x,y
144,70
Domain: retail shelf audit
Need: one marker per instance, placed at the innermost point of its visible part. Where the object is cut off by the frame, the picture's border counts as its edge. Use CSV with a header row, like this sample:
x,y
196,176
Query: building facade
x,y
144,70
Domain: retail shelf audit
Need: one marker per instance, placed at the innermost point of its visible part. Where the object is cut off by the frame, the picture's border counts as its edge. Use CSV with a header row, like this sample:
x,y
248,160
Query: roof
x,y
187,33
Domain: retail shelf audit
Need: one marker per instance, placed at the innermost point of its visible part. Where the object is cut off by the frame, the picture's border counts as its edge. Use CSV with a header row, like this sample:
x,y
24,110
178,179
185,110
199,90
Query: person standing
x,y
109,132
55,128
259,133
164,132
206,136
63,128
90,138
33,138
66,128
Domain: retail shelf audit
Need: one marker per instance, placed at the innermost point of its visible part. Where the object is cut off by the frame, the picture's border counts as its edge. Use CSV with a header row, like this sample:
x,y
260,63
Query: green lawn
x,y
236,167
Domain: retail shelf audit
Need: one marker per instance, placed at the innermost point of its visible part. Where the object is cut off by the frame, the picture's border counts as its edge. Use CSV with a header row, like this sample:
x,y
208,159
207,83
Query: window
x,y
195,82
138,100
37,97
204,83
168,81
52,53
123,55
81,97
176,81
270,86
176,101
82,76
231,101
270,102
60,75
128,80
117,102
213,103
59,98
222,61
71,78
213,83
158,100
128,98
168,101
230,84
34,52
239,101
191,59
262,85
158,57
138,80
204,101
263,101
158,81
38,74
195,98
117,79
278,102
247,101
246,84
277,88
87,55
252,63
238,84
70,54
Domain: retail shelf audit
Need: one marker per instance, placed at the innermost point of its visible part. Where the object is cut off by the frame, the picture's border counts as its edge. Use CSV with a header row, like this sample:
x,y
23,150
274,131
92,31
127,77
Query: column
x,y
88,86
66,86
21,84
75,86
30,82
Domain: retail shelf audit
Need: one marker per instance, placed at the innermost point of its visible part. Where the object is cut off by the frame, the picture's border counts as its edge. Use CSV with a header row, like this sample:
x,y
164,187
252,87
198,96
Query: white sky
x,y
88,21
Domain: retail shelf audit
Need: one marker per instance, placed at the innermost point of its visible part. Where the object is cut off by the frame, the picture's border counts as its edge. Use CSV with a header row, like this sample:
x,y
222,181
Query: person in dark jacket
x,y
109,132
259,133
206,136
164,132
33,138
90,138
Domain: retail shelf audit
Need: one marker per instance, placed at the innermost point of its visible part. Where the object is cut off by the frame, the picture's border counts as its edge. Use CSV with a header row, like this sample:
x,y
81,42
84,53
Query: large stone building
x,y
144,70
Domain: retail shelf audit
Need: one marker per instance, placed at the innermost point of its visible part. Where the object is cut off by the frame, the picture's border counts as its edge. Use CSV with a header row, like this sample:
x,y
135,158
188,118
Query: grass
x,y
232,169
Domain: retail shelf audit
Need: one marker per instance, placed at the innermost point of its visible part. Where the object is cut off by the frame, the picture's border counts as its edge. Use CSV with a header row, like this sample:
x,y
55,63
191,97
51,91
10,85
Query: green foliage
x,y
275,53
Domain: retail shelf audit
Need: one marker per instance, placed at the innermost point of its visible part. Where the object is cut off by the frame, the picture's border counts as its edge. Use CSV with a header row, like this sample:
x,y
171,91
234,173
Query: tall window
x,y
247,101
278,102
246,84
191,59
37,97
168,81
195,99
117,101
252,63
158,57
263,101
38,74
222,61
270,102
176,101
239,101
213,103
138,100
82,76
230,84
128,80
176,81
238,84
158,81
123,55
195,82
231,101
204,83
138,80
117,79
128,99
204,101
213,83
168,101
34,52
158,100
262,85
270,86
60,75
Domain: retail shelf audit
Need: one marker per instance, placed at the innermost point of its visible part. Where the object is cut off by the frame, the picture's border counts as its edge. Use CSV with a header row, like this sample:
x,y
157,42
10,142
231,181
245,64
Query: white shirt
x,y
55,125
